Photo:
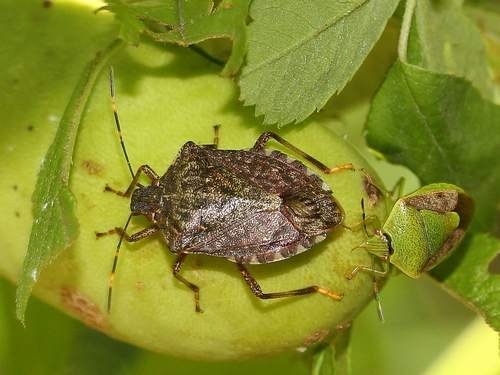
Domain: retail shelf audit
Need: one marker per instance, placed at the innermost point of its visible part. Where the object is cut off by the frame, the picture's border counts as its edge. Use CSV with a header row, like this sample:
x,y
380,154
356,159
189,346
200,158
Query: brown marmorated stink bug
x,y
249,206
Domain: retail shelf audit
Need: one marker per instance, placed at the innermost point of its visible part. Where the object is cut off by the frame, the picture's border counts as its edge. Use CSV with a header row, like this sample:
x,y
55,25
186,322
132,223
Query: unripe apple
x,y
165,97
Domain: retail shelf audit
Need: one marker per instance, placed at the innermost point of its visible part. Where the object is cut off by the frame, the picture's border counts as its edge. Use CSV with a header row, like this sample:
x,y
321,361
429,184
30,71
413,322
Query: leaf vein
x,y
428,129
300,42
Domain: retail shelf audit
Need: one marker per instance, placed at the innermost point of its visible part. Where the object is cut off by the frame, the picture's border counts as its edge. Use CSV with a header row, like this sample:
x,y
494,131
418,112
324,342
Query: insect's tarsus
x,y
257,290
196,290
117,120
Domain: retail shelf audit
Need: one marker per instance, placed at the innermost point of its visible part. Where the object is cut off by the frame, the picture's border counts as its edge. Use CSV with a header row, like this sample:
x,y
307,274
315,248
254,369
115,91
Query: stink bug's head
x,y
146,200
426,226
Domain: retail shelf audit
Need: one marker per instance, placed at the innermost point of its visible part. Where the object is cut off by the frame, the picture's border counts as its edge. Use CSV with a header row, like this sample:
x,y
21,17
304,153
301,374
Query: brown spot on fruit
x,y
342,326
316,337
92,167
80,305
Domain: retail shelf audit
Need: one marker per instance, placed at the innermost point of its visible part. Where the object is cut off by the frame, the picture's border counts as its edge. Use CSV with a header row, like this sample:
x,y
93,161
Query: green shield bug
x,y
422,229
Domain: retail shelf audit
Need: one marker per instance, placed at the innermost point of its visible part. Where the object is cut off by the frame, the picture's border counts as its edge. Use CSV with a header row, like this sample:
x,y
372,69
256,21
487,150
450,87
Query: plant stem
x,y
405,29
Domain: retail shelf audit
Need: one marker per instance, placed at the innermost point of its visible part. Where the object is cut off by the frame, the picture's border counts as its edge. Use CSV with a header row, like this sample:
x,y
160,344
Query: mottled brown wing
x,y
260,237
214,200
307,200
273,172
203,197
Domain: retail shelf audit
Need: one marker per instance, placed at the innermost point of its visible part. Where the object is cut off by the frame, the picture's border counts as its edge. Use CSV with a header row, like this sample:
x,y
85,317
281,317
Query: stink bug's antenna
x,y
115,262
376,296
363,216
376,292
117,120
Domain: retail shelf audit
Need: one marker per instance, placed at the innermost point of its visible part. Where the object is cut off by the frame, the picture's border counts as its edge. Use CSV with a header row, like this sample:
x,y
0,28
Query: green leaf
x,y
468,275
185,23
55,225
324,361
300,54
131,26
333,358
488,22
446,41
487,5
443,130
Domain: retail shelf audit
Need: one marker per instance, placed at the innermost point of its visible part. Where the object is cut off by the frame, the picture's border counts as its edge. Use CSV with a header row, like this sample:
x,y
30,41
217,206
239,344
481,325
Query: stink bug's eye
x,y
389,243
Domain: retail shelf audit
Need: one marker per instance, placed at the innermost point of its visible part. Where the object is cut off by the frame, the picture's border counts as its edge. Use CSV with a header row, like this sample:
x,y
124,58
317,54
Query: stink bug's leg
x,y
215,144
146,169
361,224
190,285
364,220
381,249
132,238
375,191
382,273
265,137
256,289
397,190
216,135
129,238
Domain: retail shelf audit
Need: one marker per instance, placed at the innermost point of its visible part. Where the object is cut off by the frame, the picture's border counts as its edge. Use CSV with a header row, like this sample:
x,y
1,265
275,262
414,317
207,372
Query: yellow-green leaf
x,y
55,225
301,53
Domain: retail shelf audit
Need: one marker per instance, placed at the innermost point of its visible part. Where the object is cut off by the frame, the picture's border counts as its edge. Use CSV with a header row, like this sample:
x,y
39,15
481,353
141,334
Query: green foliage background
x,y
54,343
